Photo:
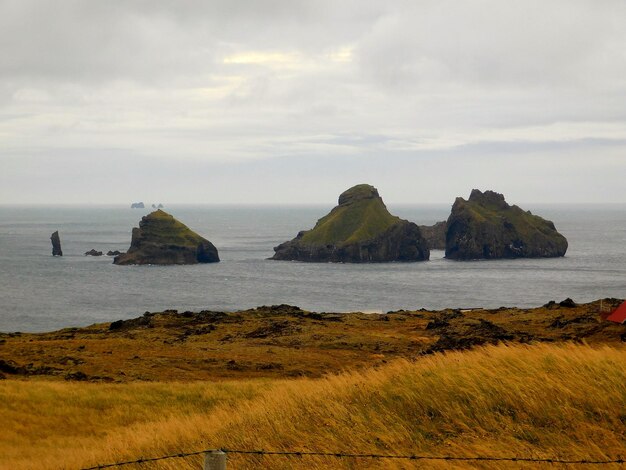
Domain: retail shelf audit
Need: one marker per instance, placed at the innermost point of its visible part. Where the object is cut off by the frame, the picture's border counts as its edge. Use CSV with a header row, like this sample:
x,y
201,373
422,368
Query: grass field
x,y
543,400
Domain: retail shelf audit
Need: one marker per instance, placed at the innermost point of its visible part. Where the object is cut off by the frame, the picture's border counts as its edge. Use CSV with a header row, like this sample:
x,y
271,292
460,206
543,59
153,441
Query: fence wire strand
x,y
619,460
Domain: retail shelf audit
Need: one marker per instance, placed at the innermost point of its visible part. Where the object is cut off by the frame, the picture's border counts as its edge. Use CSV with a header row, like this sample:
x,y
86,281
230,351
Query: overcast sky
x,y
294,101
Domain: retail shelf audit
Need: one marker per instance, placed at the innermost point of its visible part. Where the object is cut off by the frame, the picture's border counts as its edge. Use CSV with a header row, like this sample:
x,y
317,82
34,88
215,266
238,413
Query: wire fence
x,y
619,460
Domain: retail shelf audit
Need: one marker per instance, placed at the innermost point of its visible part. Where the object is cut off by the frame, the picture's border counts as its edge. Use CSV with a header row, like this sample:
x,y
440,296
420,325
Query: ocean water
x,y
39,292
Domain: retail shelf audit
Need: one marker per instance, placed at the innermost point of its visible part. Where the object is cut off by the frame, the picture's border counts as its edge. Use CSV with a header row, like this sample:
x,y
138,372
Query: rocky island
x,y
161,239
359,230
486,227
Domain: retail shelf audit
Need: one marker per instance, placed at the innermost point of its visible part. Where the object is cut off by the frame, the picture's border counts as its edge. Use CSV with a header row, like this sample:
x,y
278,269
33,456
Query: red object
x,y
619,315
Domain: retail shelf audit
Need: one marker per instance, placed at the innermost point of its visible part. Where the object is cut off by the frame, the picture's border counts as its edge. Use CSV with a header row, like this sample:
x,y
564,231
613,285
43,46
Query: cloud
x,y
491,43
222,84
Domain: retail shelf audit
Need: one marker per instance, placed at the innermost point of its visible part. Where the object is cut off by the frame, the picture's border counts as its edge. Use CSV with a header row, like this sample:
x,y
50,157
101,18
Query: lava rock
x,y
93,252
465,336
568,303
76,376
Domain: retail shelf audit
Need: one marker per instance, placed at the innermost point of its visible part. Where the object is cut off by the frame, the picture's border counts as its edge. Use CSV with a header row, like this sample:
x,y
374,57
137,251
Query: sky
x,y
290,101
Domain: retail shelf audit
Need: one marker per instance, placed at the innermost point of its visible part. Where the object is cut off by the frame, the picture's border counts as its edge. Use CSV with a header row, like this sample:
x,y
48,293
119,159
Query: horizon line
x,y
289,204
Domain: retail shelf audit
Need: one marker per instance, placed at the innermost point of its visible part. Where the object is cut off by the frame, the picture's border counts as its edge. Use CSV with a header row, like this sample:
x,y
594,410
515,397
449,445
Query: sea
x,y
39,292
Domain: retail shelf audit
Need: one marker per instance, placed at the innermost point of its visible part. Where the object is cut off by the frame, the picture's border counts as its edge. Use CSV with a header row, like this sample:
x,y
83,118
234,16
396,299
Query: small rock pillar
x,y
56,244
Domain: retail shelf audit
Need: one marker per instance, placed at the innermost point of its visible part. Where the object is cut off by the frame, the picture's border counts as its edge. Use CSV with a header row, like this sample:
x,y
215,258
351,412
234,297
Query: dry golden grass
x,y
65,422
541,401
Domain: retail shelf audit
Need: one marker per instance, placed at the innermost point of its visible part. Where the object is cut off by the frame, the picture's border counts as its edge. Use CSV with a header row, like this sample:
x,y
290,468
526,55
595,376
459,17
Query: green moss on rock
x,y
486,227
360,215
161,239
360,229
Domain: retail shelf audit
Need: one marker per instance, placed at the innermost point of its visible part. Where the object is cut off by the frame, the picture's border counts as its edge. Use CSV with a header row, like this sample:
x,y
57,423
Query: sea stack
x,y
486,227
161,239
359,230
56,244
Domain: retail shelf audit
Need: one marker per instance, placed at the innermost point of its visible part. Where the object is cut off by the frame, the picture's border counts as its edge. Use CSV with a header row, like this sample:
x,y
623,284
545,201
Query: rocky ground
x,y
284,341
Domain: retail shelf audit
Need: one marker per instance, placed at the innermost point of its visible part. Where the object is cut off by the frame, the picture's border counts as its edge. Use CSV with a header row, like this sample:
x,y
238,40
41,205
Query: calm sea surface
x,y
39,292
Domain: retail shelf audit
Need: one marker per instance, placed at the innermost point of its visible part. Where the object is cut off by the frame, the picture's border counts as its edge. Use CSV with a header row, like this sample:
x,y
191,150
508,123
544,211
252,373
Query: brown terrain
x,y
284,341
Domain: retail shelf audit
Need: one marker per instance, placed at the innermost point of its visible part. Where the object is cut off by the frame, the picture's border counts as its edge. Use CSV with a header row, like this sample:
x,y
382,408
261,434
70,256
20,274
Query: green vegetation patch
x,y
162,228
525,223
363,219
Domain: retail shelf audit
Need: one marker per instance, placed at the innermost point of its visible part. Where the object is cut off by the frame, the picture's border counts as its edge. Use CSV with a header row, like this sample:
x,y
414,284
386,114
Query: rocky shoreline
x,y
285,341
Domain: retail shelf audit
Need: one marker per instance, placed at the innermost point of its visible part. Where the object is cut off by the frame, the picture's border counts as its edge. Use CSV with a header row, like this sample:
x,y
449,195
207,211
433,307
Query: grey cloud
x,y
81,41
426,93
77,41
402,44
495,43
524,172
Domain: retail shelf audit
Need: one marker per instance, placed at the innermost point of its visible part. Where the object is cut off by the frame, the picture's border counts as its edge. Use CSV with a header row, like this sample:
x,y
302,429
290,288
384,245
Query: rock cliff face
x,y
161,239
359,230
486,227
435,235
56,244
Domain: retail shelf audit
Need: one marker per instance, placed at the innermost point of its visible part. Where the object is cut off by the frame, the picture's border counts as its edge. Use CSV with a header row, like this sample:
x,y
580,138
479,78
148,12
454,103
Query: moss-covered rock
x,y
161,239
486,227
359,230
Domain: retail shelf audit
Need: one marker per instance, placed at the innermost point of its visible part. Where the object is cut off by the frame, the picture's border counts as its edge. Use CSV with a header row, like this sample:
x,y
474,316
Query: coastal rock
x,y
161,239
466,334
113,253
93,252
435,235
359,230
56,244
486,227
137,205
568,303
